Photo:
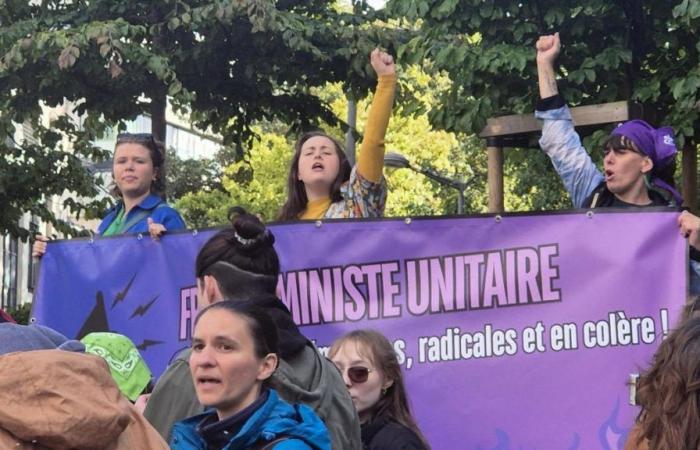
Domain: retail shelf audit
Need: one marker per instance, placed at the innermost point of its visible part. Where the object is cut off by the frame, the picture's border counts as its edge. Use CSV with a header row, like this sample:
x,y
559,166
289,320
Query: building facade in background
x,y
18,272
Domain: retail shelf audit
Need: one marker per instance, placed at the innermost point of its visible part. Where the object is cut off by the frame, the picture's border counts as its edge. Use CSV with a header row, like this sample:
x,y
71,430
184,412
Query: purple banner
x,y
514,331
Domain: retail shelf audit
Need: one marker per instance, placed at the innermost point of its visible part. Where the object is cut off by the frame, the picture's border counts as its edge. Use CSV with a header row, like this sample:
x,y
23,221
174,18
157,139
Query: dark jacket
x,y
384,434
601,197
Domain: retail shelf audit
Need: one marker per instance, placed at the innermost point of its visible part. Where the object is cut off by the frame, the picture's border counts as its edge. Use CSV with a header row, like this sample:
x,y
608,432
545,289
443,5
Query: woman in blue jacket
x,y
138,185
234,349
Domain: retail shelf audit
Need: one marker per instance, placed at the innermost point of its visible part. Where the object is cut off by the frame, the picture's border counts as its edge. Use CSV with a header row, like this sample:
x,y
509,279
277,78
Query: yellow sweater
x,y
370,162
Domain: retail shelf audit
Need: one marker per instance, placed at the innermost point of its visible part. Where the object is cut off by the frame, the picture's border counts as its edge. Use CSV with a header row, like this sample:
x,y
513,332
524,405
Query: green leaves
x,y
687,9
227,65
611,51
445,8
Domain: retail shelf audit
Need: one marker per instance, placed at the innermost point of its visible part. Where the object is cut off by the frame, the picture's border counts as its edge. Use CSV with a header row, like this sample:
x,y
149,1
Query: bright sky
x,y
377,3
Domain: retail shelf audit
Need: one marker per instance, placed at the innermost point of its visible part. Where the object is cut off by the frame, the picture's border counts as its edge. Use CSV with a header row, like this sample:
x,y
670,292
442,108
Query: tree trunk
x,y
158,125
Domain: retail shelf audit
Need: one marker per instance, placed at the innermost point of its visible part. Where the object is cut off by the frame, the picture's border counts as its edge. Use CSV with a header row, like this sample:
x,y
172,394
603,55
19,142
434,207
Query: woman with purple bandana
x,y
639,159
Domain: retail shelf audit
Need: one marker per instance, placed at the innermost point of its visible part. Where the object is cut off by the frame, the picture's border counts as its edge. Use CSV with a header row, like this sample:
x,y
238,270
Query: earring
x,y
383,391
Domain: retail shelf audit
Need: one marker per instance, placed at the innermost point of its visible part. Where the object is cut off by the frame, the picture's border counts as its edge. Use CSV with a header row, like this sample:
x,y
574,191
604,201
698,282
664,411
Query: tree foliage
x,y
184,176
611,51
258,182
227,64
645,51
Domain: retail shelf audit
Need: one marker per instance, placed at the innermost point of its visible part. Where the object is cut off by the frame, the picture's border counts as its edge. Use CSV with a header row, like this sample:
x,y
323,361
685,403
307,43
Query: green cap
x,y
128,368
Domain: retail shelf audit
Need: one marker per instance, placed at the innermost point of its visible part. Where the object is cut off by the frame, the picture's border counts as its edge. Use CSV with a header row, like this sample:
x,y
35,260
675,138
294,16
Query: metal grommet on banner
x,y
407,220
139,236
32,320
590,214
194,232
92,237
318,224
498,218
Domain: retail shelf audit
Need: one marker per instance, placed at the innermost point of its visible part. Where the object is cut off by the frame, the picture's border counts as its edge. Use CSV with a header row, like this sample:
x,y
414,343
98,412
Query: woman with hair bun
x,y
240,263
372,374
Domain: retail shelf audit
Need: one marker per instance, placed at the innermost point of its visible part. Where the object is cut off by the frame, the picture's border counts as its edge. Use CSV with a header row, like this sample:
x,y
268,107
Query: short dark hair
x,y
666,173
262,328
156,151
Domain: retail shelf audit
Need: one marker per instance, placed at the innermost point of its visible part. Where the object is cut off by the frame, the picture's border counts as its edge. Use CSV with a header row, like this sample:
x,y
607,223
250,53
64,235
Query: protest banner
x,y
514,331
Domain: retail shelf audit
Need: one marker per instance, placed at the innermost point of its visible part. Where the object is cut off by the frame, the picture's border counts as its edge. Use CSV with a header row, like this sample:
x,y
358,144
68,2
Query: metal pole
x,y
350,136
460,201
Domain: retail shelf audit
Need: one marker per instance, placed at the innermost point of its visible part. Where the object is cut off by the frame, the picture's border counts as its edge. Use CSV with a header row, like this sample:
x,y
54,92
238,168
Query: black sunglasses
x,y
358,374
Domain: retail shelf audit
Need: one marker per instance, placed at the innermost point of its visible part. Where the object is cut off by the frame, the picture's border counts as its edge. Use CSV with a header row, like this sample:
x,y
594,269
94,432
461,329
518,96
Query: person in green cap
x,y
127,366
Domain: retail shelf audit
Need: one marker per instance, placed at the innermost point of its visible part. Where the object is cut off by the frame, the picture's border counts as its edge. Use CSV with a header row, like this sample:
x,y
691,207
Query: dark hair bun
x,y
250,233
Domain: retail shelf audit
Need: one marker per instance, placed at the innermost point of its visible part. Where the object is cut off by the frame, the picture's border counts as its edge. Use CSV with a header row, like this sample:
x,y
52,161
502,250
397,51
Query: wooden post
x,y
512,130
690,176
495,175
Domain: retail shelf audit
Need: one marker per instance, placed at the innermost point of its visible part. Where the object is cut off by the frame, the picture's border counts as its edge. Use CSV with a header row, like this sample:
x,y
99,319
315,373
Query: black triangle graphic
x,y
97,320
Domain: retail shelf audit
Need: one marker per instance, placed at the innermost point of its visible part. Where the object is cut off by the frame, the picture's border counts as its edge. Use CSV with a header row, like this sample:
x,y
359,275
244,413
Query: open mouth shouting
x,y
207,382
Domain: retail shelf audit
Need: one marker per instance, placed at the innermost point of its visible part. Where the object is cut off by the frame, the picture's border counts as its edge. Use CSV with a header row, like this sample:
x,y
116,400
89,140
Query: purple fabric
x,y
512,333
657,144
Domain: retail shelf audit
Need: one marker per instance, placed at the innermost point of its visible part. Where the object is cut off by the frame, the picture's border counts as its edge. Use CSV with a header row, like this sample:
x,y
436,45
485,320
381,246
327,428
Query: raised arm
x,y
370,162
548,48
559,139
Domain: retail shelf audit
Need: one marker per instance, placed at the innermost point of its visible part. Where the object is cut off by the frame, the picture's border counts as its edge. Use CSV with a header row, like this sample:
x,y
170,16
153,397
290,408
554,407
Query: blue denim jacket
x,y
576,169
563,146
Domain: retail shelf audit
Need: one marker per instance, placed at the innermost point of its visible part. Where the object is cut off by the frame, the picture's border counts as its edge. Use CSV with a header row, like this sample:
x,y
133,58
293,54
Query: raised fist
x,y
548,48
382,62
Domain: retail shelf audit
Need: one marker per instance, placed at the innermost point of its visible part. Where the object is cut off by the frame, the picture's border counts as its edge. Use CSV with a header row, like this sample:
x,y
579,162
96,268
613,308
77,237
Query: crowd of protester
x,y
251,379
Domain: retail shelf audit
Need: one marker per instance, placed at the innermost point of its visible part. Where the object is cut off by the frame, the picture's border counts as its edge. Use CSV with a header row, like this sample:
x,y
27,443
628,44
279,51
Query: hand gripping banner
x,y
514,331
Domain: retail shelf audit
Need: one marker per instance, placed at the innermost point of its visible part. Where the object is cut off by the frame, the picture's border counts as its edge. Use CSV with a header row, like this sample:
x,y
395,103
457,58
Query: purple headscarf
x,y
658,144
